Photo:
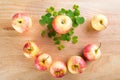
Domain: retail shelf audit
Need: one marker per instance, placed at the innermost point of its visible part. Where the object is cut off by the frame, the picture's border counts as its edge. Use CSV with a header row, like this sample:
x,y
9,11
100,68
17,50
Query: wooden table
x,y
13,64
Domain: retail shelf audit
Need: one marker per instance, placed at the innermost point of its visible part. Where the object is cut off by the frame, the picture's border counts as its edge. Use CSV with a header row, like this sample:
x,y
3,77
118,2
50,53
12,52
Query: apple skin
x,y
99,22
21,22
62,24
58,69
31,49
90,52
43,62
77,61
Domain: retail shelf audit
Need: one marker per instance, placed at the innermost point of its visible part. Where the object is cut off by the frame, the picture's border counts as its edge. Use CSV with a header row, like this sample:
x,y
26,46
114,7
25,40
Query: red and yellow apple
x,y
99,22
92,52
76,64
43,62
62,24
21,22
31,49
58,69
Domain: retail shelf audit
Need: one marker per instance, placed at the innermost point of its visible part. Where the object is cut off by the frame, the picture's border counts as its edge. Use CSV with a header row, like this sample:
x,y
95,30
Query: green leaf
x,y
50,10
68,38
75,24
49,21
71,31
41,21
45,18
55,13
80,20
43,33
49,26
64,37
56,40
62,11
75,6
70,13
60,47
48,15
74,39
51,34
76,12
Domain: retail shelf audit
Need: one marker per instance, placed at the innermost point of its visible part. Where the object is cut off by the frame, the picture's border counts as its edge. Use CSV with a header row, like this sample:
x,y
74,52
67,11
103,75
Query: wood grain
x,y
13,64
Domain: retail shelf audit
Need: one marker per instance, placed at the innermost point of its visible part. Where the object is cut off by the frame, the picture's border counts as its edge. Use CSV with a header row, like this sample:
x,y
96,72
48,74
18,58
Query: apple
x,y
31,49
58,69
76,64
99,22
21,22
62,24
43,62
92,52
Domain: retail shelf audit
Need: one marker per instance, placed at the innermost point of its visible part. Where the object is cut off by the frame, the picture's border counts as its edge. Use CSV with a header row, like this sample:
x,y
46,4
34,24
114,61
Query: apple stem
x,y
63,22
45,59
98,47
30,47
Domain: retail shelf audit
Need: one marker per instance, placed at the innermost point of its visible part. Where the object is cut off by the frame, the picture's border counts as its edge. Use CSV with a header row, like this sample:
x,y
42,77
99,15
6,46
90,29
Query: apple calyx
x,y
29,49
76,67
59,73
98,48
20,21
101,22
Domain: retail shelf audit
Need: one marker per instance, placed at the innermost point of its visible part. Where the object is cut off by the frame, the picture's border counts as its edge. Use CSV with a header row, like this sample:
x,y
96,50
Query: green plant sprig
x,y
47,19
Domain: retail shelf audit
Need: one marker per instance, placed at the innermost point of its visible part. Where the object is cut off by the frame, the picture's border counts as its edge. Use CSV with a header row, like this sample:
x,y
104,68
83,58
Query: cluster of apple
x,y
61,24
43,61
75,64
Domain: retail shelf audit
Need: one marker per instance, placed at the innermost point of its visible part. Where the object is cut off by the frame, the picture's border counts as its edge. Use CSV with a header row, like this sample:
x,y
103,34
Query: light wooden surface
x,y
13,64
